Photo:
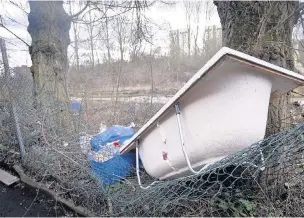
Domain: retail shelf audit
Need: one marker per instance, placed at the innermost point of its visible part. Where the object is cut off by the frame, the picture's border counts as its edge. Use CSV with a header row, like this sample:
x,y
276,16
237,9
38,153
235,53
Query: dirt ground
x,y
20,200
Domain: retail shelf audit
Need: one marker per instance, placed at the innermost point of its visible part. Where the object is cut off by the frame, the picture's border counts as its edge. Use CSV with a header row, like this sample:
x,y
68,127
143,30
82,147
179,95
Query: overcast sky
x,y
172,17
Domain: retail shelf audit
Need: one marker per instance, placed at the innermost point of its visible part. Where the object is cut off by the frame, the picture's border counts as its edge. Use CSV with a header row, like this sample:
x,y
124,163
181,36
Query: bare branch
x,y
18,6
81,11
170,3
105,16
291,15
1,25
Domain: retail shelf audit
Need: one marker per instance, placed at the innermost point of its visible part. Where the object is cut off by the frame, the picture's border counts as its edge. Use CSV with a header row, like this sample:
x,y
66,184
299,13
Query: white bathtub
x,y
223,109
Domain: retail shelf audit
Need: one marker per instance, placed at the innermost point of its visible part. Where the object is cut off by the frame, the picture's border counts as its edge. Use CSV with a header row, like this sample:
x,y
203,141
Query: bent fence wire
x,y
266,179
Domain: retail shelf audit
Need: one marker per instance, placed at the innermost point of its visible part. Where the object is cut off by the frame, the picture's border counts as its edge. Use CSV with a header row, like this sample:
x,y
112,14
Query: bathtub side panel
x,y
220,115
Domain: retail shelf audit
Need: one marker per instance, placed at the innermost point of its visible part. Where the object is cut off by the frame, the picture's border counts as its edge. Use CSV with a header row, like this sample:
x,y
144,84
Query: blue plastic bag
x,y
112,134
114,169
106,162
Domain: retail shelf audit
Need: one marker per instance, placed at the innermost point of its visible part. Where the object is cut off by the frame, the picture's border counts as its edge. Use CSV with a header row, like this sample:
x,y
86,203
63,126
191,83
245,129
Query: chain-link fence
x,y
266,179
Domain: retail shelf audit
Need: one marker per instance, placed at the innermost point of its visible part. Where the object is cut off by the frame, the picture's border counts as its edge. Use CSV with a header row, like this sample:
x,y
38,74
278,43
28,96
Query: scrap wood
x,y
27,180
7,178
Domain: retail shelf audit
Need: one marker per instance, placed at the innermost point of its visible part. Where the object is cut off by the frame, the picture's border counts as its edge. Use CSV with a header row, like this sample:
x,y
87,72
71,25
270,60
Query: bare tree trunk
x,y
76,46
195,41
49,27
108,41
262,29
121,37
152,82
75,41
109,60
120,70
197,20
189,41
188,6
90,28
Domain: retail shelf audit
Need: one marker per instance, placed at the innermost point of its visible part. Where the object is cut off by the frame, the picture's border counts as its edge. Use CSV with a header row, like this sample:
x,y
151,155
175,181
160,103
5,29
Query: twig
x,y
37,193
44,137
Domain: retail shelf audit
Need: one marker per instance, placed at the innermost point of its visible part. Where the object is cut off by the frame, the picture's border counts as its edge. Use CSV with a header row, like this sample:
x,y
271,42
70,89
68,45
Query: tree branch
x,y
104,16
300,8
1,25
82,10
18,6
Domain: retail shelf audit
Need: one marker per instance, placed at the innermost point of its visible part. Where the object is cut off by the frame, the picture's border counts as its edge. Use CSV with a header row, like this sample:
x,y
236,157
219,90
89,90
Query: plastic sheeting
x,y
110,135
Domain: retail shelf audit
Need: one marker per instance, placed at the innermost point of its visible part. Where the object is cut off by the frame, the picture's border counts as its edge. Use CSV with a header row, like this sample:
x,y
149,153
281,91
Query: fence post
x,y
11,99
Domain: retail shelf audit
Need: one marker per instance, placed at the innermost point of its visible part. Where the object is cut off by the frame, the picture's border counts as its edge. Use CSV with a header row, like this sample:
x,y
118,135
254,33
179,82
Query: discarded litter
x,y
84,142
75,107
115,133
105,152
105,159
112,170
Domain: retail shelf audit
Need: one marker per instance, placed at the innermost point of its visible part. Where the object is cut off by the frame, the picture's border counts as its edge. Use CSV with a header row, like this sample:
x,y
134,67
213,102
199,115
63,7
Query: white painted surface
x,y
224,109
219,115
7,178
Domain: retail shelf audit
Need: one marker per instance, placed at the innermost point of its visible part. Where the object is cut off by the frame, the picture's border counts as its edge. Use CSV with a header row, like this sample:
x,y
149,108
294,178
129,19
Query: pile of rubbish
x,y
108,165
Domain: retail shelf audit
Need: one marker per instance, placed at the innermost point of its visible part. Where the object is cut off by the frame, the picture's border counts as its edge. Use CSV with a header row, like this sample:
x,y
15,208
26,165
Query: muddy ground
x,y
20,200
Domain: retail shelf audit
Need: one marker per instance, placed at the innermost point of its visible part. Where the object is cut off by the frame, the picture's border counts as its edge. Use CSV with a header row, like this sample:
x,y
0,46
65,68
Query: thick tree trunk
x,y
49,27
262,29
